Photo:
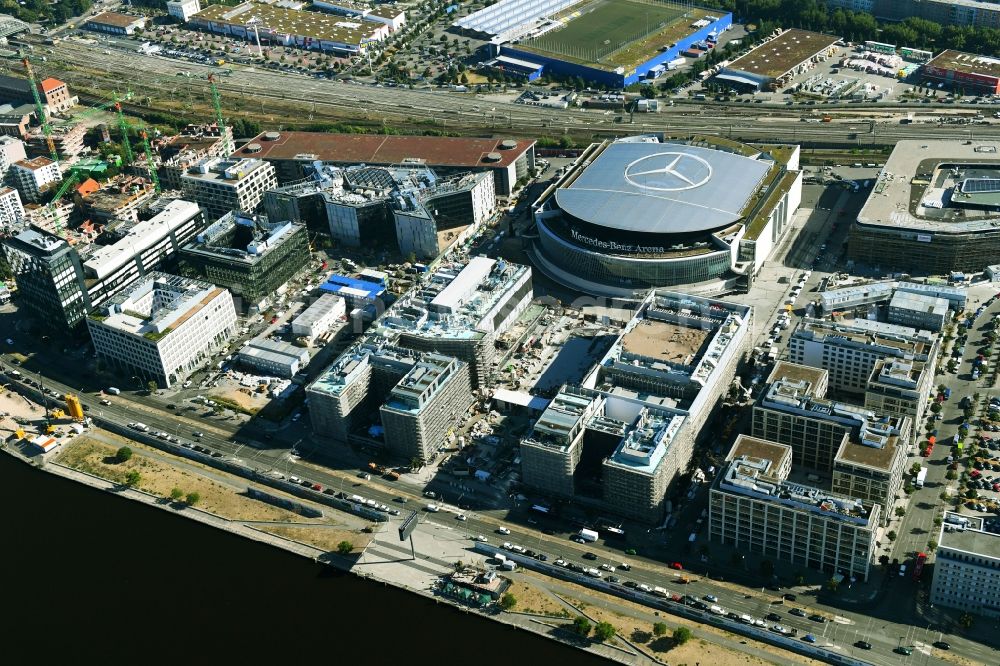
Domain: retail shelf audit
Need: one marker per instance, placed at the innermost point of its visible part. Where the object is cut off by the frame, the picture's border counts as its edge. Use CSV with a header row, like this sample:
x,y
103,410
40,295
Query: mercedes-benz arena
x,y
636,214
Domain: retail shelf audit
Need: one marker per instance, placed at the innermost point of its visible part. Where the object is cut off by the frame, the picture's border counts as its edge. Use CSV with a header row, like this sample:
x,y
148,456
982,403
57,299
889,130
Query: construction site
x,y
40,429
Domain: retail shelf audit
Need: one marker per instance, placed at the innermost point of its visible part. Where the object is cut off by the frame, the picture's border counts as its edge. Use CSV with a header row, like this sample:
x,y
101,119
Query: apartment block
x,y
11,151
849,351
967,566
163,327
33,177
222,185
753,507
11,210
430,399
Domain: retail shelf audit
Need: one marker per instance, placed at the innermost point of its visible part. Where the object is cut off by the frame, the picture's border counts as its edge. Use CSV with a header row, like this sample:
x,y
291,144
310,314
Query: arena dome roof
x,y
663,188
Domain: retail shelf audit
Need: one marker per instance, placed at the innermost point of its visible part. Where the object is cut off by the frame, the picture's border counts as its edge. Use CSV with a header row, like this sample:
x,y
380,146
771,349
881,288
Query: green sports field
x,y
615,32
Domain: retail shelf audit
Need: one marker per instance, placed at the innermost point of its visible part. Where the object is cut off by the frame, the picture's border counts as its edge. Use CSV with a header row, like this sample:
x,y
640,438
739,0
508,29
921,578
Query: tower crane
x,y
124,127
219,121
40,109
149,159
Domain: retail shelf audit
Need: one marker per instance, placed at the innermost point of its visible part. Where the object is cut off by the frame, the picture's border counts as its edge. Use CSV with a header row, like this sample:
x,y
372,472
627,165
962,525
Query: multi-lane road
x,y
840,634
158,78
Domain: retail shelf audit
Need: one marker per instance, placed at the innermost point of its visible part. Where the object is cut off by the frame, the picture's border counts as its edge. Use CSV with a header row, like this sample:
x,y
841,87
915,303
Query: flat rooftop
x,y
793,372
868,456
157,304
909,172
966,63
385,149
665,341
115,19
327,27
781,54
760,449
646,442
982,543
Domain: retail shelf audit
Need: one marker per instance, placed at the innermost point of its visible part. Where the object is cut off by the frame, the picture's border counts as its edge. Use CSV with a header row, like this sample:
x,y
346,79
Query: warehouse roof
x,y
278,20
967,63
116,19
382,149
774,58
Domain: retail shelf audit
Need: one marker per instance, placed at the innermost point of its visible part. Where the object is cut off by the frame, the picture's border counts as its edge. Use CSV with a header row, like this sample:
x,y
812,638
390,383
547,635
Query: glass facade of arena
x,y
632,273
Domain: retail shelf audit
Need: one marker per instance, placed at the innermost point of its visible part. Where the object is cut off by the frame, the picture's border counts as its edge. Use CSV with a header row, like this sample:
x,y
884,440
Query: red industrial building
x,y
964,71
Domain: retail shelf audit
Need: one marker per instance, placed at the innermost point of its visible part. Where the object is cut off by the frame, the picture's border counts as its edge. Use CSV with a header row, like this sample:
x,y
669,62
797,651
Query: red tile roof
x,y
383,149
88,187
48,85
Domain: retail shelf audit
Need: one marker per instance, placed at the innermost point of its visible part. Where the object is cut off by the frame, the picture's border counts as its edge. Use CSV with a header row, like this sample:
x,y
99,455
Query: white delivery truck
x,y
921,477
588,535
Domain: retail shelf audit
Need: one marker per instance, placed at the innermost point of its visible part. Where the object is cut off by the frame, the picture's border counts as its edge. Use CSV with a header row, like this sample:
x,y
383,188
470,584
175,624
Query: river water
x,y
86,576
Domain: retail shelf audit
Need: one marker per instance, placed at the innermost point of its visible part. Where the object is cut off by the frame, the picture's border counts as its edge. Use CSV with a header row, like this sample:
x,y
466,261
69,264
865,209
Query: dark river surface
x,y
88,578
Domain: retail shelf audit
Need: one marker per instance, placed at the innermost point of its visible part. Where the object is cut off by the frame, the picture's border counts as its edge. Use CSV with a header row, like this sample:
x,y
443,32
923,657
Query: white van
x,y
433,508
112,390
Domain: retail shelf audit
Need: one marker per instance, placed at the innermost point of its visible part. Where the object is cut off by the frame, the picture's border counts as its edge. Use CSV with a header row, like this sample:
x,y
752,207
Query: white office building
x,y
319,317
967,566
32,177
221,185
163,327
182,10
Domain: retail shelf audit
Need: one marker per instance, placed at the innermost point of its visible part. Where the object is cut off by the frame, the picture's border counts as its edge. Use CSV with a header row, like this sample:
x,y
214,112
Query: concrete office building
x,y
625,435
67,281
849,351
222,185
276,359
319,317
430,399
753,507
933,210
900,387
249,254
428,222
11,151
967,566
292,153
33,177
794,411
460,311
163,327
368,206
552,450
49,278
11,210
357,382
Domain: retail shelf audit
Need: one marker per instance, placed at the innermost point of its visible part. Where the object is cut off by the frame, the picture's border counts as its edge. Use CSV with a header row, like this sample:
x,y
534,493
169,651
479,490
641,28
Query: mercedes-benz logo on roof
x,y
669,172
